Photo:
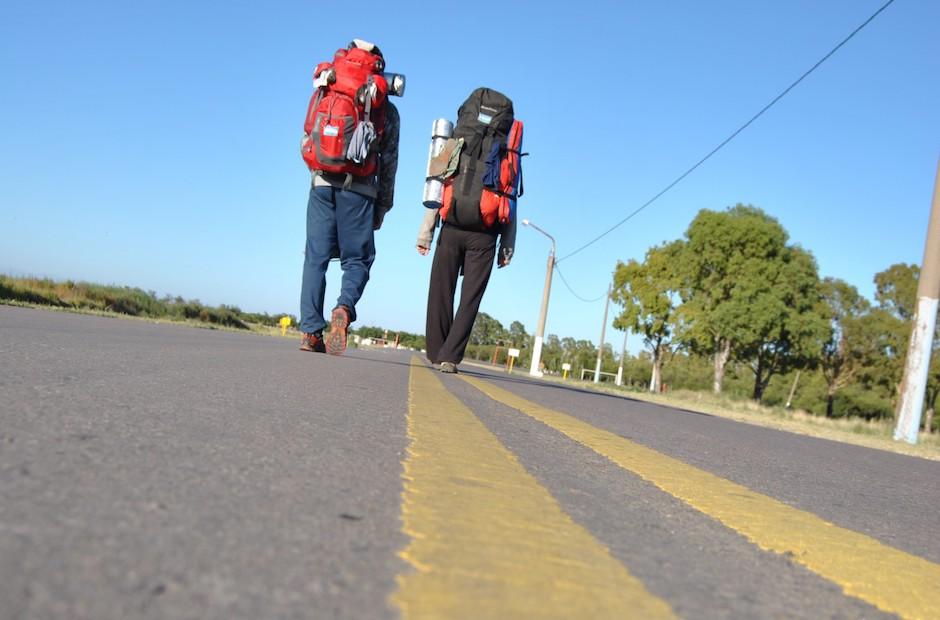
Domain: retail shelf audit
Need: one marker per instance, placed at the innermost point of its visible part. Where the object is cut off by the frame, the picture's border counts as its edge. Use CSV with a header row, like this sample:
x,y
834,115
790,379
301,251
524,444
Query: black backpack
x,y
484,118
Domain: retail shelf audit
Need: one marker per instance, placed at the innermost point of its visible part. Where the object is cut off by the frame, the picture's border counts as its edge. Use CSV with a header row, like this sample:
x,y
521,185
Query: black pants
x,y
457,250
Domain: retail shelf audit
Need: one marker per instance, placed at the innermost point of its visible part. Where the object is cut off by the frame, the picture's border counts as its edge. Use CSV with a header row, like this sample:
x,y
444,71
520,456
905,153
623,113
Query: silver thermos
x,y
396,84
441,130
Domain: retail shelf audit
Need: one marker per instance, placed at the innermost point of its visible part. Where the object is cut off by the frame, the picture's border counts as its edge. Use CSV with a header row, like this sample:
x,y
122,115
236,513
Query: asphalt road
x,y
160,471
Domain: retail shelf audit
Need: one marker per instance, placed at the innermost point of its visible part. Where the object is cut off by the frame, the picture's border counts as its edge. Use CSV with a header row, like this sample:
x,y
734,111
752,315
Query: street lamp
x,y
540,329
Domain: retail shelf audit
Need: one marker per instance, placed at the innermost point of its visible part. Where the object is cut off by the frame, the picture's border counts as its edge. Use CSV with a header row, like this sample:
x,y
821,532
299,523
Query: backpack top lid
x,y
365,45
485,109
353,68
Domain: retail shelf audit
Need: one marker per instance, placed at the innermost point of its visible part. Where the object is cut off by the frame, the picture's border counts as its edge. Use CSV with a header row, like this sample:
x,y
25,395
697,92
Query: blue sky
x,y
155,144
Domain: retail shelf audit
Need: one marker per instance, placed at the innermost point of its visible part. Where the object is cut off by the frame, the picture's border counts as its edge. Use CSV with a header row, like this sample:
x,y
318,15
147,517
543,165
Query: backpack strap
x,y
474,152
521,179
367,93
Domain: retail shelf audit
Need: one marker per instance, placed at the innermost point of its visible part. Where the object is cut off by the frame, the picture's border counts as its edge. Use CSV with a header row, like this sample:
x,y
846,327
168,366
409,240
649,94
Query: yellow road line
x,y
487,540
892,580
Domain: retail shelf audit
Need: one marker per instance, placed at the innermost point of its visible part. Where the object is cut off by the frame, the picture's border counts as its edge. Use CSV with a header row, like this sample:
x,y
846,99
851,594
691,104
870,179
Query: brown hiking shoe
x,y
339,327
313,343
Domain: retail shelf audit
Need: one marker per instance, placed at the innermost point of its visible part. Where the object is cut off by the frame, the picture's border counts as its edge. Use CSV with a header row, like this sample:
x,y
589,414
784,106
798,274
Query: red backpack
x,y
346,116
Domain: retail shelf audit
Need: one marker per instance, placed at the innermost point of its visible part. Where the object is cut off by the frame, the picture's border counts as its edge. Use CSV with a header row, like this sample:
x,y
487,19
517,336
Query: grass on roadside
x,y
252,328
127,301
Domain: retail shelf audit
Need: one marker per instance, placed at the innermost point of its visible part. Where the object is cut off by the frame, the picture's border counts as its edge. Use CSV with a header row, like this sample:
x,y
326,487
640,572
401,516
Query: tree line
x,y
491,341
735,291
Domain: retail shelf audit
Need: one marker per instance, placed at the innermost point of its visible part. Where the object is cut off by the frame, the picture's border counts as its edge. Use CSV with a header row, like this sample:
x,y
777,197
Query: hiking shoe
x,y
449,368
339,326
313,342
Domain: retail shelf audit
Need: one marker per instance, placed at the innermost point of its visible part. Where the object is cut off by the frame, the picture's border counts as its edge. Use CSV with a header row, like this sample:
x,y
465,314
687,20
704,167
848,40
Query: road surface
x,y
160,471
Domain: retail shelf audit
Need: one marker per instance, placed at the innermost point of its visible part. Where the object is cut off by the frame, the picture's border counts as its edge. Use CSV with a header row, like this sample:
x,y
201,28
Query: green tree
x,y
517,335
370,331
568,346
579,353
727,256
553,353
647,292
896,290
883,355
889,326
933,387
487,330
786,322
688,372
608,359
844,350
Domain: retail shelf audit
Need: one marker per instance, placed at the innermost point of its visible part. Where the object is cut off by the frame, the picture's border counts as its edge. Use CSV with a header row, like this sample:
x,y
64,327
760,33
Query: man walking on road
x,y
476,218
350,145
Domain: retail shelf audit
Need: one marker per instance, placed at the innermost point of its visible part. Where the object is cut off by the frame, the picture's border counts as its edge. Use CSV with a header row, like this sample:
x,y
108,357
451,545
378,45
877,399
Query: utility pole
x,y
600,347
623,354
534,369
914,383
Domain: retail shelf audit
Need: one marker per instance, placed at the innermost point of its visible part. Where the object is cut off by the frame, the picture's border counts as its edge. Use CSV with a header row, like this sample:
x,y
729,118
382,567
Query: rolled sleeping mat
x,y
441,130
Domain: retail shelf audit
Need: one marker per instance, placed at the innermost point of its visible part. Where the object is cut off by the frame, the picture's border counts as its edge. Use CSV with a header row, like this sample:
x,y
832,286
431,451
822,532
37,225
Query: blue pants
x,y
336,219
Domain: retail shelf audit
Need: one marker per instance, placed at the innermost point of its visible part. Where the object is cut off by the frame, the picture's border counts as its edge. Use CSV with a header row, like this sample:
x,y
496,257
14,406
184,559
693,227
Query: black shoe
x,y
313,342
449,368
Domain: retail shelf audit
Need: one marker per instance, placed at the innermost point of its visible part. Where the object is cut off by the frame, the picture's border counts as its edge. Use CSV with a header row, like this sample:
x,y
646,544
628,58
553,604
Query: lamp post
x,y
540,329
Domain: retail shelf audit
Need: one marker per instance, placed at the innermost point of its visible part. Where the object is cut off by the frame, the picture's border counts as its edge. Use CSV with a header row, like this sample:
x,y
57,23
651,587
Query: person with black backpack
x,y
477,214
350,145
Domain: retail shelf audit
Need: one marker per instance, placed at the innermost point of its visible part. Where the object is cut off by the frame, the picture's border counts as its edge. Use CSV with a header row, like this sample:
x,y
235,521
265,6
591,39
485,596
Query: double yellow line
x,y
489,541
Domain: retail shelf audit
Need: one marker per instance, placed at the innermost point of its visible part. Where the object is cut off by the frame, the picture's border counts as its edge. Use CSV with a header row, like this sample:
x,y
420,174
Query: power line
x,y
571,290
732,136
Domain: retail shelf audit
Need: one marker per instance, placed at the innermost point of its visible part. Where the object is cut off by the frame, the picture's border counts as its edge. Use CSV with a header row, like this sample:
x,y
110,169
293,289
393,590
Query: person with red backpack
x,y
350,145
483,180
